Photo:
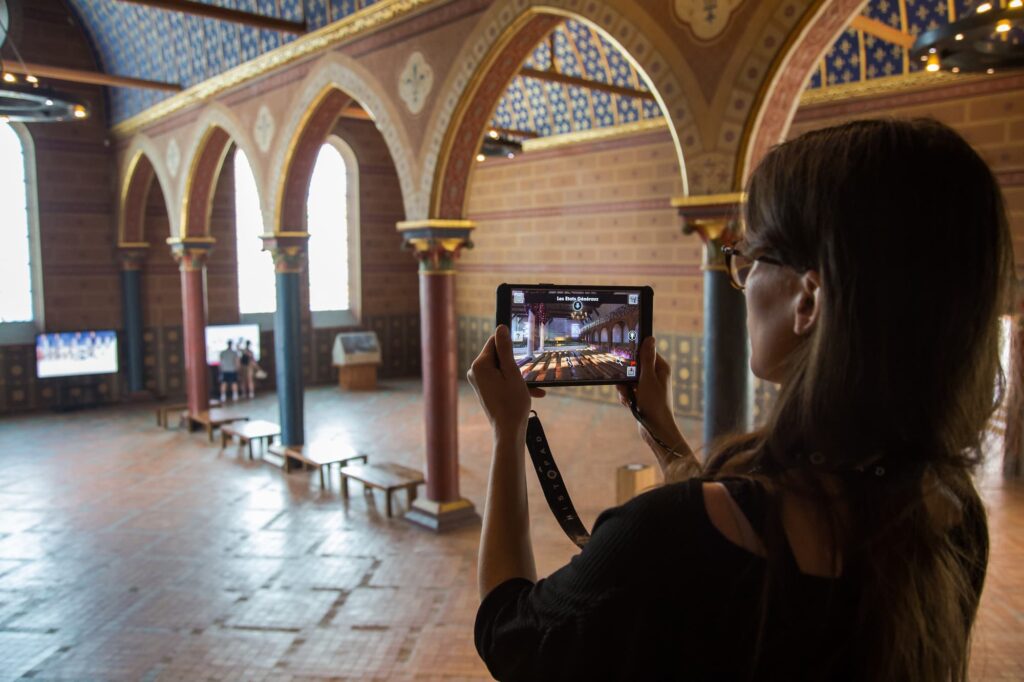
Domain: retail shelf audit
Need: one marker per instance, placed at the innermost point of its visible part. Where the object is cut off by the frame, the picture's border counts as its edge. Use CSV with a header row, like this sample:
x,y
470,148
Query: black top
x,y
660,594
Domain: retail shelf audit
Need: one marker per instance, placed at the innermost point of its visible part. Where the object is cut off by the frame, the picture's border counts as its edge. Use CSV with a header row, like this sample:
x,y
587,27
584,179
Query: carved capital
x,y
437,243
132,255
191,252
716,218
288,250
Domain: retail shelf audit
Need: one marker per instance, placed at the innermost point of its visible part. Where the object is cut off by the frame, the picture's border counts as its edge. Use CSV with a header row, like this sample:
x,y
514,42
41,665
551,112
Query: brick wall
x,y
76,182
992,121
594,213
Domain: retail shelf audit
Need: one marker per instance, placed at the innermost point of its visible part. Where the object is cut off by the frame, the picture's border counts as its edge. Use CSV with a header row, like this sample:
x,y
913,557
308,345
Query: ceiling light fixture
x,y
983,41
29,101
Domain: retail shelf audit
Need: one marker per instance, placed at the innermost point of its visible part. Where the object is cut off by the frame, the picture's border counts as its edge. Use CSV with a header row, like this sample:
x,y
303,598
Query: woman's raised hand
x,y
653,394
500,386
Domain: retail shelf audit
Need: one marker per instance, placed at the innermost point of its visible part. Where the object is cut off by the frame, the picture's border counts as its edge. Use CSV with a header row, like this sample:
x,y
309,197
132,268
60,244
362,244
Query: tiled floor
x,y
132,553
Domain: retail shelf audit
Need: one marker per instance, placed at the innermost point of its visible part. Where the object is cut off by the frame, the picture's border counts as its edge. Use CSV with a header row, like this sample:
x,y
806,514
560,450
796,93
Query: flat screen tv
x,y
217,338
68,354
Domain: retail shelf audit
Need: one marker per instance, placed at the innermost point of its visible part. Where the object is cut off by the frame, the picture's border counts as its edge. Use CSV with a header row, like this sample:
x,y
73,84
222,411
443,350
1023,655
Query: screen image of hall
x,y
575,335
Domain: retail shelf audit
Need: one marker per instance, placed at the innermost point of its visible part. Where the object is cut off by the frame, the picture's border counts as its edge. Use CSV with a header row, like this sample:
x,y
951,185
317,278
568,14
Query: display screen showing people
x,y
576,335
239,335
68,354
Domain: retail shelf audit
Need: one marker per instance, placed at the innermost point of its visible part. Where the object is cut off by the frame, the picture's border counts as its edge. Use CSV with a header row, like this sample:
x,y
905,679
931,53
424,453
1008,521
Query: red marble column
x,y
436,244
191,254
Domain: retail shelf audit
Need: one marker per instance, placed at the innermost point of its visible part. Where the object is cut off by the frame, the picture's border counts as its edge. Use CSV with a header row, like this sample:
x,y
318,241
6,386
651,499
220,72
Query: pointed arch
x,y
326,91
141,168
491,58
772,114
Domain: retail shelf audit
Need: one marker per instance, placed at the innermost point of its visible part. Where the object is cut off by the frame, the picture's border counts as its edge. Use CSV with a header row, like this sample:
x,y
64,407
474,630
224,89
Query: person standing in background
x,y
229,372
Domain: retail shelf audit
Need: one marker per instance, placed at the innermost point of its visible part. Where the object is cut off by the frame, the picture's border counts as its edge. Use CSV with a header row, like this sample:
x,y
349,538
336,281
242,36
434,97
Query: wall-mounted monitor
x,y
217,338
67,354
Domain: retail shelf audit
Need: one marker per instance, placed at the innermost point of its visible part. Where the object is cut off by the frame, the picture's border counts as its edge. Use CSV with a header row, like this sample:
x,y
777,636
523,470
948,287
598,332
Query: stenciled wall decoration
x,y
415,82
707,18
263,129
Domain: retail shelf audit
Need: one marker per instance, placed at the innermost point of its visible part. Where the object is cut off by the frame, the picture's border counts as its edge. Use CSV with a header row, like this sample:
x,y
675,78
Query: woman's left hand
x,y
500,386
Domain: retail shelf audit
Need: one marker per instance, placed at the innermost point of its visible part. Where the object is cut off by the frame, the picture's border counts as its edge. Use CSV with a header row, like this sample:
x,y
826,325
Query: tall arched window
x,y
16,252
256,288
332,217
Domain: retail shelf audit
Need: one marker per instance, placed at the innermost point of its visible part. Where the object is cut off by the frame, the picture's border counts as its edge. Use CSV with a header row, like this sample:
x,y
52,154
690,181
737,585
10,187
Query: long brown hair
x,y
888,398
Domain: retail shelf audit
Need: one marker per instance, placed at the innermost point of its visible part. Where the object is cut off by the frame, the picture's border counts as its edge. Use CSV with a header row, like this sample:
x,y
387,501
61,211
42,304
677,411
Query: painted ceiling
x,y
143,42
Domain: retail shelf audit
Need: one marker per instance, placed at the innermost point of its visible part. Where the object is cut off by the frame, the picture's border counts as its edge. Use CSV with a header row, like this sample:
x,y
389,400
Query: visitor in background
x,y
229,363
843,540
248,371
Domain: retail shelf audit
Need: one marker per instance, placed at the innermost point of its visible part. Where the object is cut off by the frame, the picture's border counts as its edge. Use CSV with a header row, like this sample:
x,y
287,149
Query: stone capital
x,y
288,250
132,255
437,243
716,218
191,252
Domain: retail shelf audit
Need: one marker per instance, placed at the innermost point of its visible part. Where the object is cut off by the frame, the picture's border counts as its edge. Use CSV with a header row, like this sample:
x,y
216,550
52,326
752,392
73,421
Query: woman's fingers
x,y
503,350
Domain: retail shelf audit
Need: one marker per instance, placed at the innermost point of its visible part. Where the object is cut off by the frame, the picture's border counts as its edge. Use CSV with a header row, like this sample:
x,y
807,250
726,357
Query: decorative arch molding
x,y
143,157
489,60
780,96
201,181
342,75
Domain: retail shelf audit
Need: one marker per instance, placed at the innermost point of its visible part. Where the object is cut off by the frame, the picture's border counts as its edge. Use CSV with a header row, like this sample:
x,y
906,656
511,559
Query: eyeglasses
x,y
739,265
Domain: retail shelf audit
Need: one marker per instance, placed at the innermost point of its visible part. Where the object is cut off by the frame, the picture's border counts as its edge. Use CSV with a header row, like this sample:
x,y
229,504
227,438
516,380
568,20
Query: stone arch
x,y
486,64
201,182
617,334
141,169
351,81
217,130
604,335
779,98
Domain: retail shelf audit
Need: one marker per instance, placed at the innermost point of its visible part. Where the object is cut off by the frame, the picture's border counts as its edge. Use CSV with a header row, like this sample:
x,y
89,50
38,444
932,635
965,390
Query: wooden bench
x,y
384,476
320,454
212,419
247,432
165,411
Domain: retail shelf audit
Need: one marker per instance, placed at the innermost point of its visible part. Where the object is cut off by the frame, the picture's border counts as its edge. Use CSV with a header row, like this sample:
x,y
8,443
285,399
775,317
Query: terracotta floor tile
x,y
128,552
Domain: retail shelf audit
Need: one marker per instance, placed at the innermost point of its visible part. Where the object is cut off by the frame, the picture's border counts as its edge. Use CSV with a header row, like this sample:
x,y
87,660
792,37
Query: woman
x,y
844,539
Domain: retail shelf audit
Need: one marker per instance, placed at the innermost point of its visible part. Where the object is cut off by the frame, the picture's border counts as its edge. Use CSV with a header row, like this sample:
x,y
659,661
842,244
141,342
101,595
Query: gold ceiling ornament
x,y
595,134
355,25
706,18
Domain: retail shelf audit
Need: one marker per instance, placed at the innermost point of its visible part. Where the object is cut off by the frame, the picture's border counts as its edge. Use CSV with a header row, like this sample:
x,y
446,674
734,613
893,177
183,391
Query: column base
x,y
442,516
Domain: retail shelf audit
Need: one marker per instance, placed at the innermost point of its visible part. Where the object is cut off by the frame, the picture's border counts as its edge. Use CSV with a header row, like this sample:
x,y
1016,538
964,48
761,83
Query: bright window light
x,y
256,289
327,223
15,264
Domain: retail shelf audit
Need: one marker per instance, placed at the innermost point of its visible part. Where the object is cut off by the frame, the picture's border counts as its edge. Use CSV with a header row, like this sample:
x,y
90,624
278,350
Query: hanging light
x,y
976,43
30,101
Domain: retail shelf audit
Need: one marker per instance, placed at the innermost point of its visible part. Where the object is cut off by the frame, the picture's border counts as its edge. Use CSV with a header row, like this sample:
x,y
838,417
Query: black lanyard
x,y
552,484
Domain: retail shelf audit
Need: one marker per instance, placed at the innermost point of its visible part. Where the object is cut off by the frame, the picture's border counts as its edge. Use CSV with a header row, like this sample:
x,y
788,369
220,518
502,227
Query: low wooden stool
x,y
319,454
384,476
213,419
247,432
164,411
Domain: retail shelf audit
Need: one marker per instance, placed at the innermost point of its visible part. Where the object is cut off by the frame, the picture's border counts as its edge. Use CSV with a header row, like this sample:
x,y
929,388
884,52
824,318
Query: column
x,y
289,252
727,388
436,244
191,254
531,323
132,255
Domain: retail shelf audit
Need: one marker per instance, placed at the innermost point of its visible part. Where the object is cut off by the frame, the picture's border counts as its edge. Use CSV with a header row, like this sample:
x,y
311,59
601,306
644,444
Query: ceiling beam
x,y
556,77
881,30
91,77
224,14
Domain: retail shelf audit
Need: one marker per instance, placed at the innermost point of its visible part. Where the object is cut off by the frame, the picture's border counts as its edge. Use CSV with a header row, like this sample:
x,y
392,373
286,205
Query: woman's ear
x,y
808,303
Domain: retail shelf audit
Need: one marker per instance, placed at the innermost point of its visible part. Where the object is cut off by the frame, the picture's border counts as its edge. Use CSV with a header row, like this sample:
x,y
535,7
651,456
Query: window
x,y
16,285
256,286
331,213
